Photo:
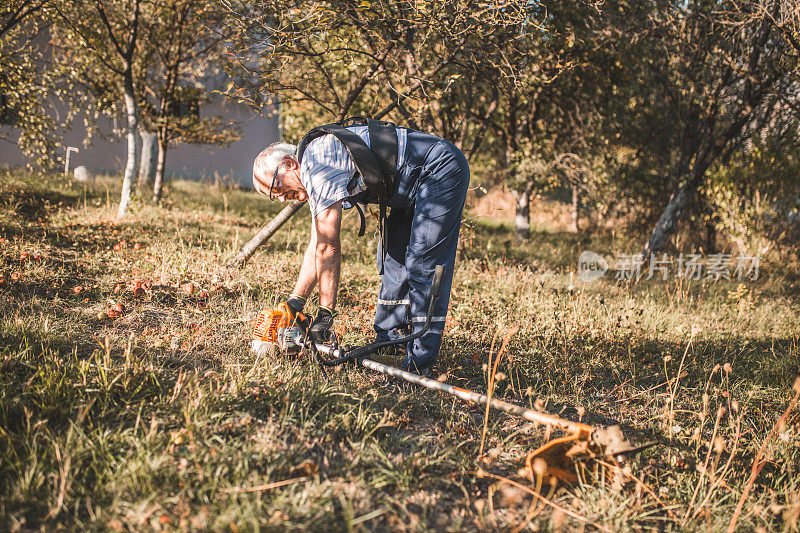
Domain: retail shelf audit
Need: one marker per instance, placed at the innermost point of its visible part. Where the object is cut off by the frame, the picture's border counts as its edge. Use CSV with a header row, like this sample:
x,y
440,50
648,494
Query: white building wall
x,y
108,150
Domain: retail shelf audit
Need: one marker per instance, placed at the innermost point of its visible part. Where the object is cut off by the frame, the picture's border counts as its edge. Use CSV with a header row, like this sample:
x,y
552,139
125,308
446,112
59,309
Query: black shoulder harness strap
x,y
376,163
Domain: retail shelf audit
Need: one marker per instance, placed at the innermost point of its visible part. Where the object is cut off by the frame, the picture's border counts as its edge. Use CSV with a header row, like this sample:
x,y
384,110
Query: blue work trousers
x,y
422,232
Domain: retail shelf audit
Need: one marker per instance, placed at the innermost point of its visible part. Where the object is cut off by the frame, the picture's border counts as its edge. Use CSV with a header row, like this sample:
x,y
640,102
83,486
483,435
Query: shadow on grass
x,y
493,242
33,205
585,363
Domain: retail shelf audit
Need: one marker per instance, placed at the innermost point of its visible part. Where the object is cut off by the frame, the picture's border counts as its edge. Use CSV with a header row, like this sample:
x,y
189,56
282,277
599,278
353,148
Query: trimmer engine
x,y
276,329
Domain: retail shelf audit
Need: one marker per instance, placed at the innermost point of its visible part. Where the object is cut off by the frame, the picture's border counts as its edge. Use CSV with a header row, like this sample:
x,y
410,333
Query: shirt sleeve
x,y
326,170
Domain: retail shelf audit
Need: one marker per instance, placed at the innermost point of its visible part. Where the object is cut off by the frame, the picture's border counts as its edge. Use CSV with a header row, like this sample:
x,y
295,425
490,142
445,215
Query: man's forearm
x,y
308,271
328,264
328,256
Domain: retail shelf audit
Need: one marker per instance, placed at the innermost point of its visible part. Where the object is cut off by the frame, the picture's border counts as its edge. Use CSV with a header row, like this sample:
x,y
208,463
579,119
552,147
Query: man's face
x,y
284,184
289,194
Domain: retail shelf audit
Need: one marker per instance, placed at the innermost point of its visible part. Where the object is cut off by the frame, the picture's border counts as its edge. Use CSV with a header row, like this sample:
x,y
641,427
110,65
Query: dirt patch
x,y
499,204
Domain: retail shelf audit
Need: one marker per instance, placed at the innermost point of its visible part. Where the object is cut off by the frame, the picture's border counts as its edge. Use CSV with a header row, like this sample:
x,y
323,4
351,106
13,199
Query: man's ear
x,y
290,162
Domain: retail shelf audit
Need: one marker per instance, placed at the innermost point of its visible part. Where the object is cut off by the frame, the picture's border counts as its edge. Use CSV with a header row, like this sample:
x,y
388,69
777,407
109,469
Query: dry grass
x,y
161,419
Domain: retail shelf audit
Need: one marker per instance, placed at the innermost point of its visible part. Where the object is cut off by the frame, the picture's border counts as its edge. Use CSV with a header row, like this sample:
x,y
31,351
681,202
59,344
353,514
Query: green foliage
x,y
186,42
25,87
700,85
336,58
25,83
755,194
624,102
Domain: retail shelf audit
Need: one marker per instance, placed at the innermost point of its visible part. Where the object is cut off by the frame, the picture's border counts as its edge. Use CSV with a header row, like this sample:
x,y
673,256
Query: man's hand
x,y
320,329
295,304
293,307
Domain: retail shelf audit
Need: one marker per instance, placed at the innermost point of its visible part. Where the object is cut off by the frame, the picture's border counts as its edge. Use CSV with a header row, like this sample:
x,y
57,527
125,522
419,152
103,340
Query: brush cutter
x,y
592,451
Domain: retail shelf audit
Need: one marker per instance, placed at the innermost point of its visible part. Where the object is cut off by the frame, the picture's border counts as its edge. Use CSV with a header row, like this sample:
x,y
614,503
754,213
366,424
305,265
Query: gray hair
x,y
268,160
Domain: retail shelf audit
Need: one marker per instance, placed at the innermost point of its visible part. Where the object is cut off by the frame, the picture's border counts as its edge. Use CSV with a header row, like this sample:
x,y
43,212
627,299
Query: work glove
x,y
320,329
295,304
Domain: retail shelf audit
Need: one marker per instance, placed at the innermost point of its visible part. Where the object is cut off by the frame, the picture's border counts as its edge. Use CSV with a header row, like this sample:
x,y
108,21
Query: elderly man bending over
x,y
424,186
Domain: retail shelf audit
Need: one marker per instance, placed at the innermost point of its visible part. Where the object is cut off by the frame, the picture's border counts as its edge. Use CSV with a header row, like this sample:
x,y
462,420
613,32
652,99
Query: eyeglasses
x,y
274,177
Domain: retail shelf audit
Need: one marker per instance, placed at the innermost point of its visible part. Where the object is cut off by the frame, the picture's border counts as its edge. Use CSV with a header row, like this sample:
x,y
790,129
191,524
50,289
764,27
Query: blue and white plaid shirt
x,y
327,169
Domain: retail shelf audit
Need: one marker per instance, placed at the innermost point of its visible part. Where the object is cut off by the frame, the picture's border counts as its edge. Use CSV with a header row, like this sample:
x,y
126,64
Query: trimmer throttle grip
x,y
436,284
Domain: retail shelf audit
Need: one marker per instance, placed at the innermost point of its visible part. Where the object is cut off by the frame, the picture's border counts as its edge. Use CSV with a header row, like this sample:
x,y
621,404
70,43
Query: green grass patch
x,y
160,418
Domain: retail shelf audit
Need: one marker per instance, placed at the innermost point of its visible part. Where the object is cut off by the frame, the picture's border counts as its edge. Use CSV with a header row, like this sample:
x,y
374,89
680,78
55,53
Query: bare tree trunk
x,y
265,233
147,167
132,115
158,183
522,216
711,237
669,218
576,208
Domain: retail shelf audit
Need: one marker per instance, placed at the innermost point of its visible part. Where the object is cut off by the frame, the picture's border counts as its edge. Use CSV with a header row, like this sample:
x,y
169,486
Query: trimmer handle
x,y
436,284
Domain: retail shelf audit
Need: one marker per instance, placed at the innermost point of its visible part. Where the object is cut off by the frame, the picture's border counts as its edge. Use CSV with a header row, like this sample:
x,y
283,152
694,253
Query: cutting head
x,y
588,452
